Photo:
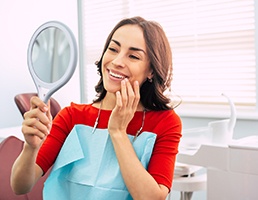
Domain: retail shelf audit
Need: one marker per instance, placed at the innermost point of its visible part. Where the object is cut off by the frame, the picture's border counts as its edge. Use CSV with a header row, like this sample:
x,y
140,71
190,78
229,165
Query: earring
x,y
150,80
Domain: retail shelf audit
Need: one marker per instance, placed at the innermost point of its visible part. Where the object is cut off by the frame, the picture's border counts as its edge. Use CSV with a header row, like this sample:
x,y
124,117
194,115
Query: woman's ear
x,y
150,75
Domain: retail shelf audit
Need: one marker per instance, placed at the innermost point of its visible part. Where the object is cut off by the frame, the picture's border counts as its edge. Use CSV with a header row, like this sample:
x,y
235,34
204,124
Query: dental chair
x,y
23,103
10,148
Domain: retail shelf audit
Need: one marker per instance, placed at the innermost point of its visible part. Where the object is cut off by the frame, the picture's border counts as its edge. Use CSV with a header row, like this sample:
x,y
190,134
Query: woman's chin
x,y
112,89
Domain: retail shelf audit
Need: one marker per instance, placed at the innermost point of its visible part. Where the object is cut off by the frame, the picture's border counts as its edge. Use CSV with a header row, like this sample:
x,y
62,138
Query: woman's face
x,y
125,57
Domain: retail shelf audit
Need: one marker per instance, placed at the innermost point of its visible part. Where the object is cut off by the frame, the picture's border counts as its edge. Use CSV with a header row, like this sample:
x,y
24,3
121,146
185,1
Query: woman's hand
x,y
139,182
37,123
126,104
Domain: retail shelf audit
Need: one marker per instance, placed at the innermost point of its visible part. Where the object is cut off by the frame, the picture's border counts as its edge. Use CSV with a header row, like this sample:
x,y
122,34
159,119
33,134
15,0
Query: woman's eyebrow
x,y
131,48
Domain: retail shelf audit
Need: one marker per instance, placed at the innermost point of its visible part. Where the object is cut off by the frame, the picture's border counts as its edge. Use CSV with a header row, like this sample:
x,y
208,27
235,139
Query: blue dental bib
x,y
87,168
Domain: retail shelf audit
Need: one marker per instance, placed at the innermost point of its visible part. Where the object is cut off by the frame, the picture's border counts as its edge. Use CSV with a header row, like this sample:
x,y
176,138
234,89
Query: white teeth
x,y
116,75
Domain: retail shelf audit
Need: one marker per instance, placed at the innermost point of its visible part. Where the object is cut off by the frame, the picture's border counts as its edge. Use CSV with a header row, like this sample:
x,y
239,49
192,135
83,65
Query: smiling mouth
x,y
116,75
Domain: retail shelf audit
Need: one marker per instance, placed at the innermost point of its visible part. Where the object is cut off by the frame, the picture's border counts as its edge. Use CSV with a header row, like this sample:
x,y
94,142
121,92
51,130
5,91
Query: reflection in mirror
x,y
50,55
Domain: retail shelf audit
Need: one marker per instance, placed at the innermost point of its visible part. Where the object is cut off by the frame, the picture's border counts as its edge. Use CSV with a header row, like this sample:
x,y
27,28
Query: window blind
x,y
212,41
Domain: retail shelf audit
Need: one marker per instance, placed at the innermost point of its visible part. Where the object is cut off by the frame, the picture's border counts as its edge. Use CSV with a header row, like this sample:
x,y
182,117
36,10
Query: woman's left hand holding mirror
x,y
37,123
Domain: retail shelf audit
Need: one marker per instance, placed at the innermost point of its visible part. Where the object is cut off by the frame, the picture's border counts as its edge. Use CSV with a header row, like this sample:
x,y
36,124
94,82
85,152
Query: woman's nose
x,y
119,61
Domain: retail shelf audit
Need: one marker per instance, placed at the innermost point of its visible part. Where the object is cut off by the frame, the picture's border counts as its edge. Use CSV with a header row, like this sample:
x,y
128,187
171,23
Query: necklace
x,y
137,133
97,119
143,119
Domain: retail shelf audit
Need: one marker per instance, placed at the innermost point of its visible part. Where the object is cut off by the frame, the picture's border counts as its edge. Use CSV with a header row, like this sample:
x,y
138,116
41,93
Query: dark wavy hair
x,y
160,56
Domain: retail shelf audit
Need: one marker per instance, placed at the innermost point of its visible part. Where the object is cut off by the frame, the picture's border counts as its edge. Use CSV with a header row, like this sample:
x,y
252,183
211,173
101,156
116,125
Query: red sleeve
x,y
162,162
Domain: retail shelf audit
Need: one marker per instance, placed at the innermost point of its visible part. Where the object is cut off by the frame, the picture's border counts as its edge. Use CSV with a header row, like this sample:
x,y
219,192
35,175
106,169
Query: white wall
x,y
18,21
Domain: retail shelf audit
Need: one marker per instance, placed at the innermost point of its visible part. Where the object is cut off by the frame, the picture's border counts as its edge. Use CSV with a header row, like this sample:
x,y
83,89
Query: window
x,y
212,41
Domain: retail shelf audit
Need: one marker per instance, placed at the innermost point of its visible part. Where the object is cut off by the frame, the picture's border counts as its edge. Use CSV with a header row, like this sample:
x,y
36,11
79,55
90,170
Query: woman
x,y
124,144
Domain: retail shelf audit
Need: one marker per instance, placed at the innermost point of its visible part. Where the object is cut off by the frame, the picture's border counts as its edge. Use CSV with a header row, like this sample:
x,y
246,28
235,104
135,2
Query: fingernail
x,y
45,108
48,128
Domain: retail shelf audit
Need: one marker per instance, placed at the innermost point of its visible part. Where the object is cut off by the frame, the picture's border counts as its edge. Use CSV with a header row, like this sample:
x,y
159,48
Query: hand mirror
x,y
52,57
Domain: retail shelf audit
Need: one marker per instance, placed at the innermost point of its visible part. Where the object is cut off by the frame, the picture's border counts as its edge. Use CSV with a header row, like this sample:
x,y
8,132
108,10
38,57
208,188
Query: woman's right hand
x,y
37,123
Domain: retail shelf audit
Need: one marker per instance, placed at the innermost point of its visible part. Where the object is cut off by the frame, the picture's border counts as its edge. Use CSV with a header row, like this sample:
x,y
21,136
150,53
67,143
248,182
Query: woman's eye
x,y
112,49
134,57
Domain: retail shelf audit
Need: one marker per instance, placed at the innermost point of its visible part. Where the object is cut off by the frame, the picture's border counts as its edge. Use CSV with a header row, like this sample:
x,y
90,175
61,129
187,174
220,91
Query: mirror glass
x,y
52,57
